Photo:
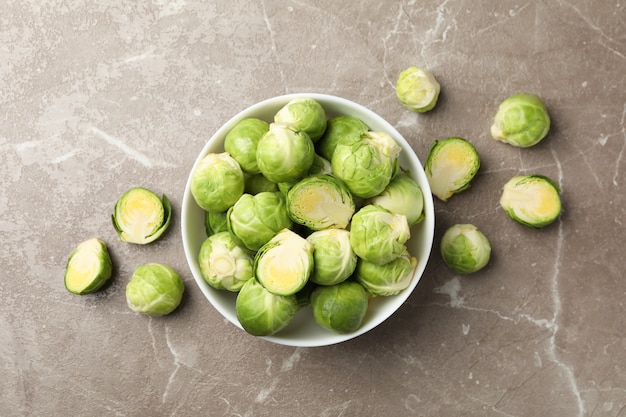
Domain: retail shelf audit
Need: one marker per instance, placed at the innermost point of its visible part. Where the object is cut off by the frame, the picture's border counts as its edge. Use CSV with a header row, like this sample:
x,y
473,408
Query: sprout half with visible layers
x,y
388,279
262,313
224,265
217,182
88,268
155,290
241,142
417,89
340,308
465,249
402,196
334,260
284,153
531,200
305,114
339,129
140,216
450,166
522,120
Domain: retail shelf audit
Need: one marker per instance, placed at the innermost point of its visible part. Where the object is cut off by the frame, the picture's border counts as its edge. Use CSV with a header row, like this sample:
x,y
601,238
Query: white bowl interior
x,y
303,331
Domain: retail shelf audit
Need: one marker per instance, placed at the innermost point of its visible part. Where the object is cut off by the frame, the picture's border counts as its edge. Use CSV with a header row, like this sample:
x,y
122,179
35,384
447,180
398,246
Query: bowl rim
x,y
426,227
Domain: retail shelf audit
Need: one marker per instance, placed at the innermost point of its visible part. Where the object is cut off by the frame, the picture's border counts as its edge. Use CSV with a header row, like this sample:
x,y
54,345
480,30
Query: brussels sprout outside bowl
x,y
303,331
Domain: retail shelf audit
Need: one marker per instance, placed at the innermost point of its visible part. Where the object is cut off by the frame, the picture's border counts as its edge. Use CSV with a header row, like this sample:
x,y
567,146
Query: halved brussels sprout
x,y
450,166
224,265
465,249
257,183
340,308
305,114
255,219
378,235
88,268
522,120
217,182
284,153
417,89
531,200
154,289
140,216
338,129
262,313
284,264
333,258
388,279
242,140
366,165
215,222
320,202
402,196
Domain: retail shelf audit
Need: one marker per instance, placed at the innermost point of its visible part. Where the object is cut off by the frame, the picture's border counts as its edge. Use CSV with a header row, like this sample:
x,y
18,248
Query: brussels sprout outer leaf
x,y
88,268
242,140
522,120
388,279
262,313
305,114
340,308
342,128
402,196
417,89
154,289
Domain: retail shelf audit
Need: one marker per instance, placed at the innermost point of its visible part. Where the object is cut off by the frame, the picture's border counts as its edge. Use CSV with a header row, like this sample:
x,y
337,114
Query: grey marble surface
x,y
97,97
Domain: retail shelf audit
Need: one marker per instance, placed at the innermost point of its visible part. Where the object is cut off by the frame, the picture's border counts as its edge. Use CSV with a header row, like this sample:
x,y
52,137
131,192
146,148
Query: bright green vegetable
x,y
334,260
366,165
340,308
320,202
450,166
88,268
284,153
338,129
215,222
417,89
522,120
284,264
378,235
140,216
465,249
242,140
531,200
257,183
154,289
262,313
402,196
304,114
388,279
217,182
223,263
320,165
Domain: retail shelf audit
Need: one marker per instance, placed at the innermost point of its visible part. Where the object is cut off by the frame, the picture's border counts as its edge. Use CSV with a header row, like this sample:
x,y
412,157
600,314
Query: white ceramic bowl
x,y
303,331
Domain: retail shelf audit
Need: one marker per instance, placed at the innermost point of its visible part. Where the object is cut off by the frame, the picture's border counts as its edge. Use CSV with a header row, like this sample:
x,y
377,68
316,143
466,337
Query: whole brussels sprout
x,y
217,182
140,216
367,165
305,114
154,289
257,183
522,120
402,196
224,265
465,249
241,142
531,200
334,260
320,165
284,153
255,219
338,129
417,89
388,279
215,222
378,235
262,313
340,308
88,268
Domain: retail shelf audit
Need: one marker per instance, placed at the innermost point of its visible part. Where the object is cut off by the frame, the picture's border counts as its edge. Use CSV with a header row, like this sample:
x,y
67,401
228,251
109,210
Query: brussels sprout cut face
x,y
140,216
465,249
304,114
262,313
154,289
417,89
223,263
522,120
88,267
450,166
531,200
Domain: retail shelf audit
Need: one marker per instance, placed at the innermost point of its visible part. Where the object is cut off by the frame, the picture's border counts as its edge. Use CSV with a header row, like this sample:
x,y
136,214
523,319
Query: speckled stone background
x,y
97,97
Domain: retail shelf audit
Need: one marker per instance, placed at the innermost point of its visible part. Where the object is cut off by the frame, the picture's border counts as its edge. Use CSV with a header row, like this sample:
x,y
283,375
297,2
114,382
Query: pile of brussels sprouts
x,y
306,210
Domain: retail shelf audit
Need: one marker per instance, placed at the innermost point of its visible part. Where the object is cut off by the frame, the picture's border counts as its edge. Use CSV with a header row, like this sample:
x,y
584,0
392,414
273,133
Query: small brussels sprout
x,y
366,165
338,129
522,120
224,265
88,268
417,89
450,166
215,222
284,153
320,165
340,308
334,260
262,313
531,200
140,216
255,219
257,183
284,264
304,114
217,182
402,196
465,249
320,202
154,289
388,279
241,142
378,235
